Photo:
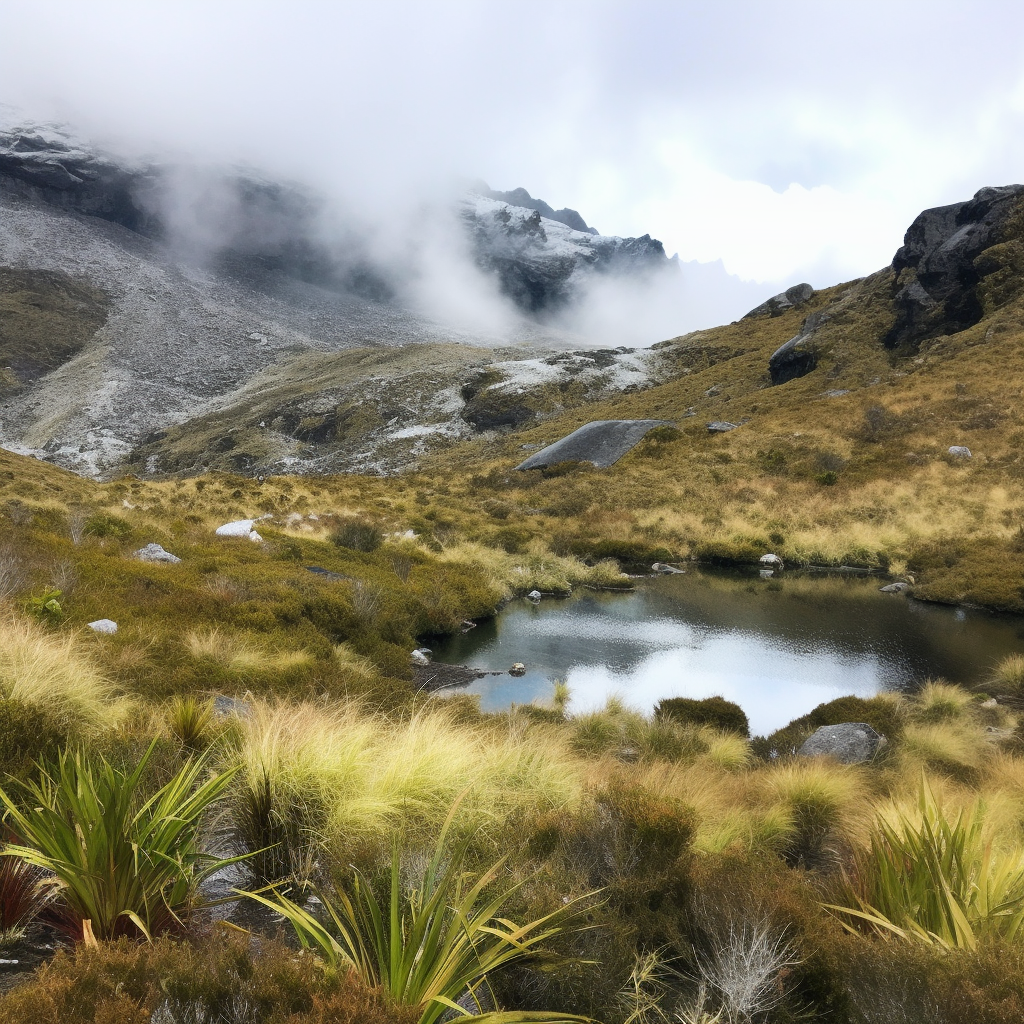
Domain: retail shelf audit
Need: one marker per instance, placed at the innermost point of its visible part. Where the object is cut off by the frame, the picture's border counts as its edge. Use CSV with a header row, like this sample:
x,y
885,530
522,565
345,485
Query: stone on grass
x,y
239,528
103,626
155,553
960,451
721,427
895,588
848,743
770,559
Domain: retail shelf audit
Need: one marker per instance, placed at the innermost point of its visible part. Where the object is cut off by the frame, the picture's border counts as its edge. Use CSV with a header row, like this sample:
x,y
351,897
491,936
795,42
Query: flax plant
x,y
427,945
936,881
116,861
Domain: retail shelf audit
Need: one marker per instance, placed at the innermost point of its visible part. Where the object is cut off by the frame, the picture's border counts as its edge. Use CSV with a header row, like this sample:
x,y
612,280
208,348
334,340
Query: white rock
x,y
420,657
770,559
104,626
959,451
239,528
155,553
534,595
255,537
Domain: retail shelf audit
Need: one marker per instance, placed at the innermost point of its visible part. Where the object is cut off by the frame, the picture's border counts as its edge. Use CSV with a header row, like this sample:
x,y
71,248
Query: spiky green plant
x,y
936,881
426,945
190,720
119,862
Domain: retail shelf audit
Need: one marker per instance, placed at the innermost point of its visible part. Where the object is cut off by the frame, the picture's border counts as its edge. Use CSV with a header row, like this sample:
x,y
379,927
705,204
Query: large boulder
x,y
798,356
849,743
940,266
781,303
602,442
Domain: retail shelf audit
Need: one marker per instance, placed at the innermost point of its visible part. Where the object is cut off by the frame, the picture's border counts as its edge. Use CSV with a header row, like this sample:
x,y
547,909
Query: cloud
x,y
788,141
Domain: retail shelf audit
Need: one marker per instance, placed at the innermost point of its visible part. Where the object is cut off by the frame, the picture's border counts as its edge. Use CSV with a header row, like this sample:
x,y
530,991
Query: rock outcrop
x,y
940,265
797,295
798,357
541,263
602,442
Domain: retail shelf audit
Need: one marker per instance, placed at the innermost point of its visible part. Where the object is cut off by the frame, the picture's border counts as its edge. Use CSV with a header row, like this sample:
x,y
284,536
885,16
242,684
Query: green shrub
x,y
716,712
103,524
358,534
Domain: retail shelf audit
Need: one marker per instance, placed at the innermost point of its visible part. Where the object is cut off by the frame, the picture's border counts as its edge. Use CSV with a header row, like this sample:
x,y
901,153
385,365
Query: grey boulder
x,y
895,588
103,626
959,451
721,427
848,743
799,356
155,553
602,442
778,304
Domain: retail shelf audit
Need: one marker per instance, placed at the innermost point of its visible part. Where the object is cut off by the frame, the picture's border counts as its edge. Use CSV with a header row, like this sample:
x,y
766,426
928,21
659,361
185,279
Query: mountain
x,y
170,295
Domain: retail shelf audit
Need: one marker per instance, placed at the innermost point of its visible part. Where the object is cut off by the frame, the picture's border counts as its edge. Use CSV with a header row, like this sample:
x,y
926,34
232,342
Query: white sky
x,y
790,140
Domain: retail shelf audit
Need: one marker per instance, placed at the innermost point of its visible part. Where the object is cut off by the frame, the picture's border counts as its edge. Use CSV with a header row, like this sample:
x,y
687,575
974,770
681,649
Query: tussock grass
x,y
959,749
937,701
239,654
536,568
53,673
355,780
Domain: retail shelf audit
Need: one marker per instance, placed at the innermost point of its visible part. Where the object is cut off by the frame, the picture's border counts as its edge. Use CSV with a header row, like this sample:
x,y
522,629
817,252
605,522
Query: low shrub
x,y
716,712
358,534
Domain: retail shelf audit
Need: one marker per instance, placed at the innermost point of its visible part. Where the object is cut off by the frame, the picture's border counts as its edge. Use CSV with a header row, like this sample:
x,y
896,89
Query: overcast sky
x,y
792,141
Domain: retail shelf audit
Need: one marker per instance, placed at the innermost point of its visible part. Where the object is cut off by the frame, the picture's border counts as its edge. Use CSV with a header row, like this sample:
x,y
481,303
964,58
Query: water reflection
x,y
776,647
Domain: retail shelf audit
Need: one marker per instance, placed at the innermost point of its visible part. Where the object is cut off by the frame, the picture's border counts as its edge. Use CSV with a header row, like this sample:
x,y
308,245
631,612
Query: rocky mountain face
x,y
135,298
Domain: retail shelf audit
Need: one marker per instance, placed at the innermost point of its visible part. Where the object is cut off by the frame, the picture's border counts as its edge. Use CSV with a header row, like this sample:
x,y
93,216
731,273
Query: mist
x,y
765,144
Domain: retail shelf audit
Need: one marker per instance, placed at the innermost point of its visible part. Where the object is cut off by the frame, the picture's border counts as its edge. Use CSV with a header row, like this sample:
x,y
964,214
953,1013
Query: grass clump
x,y
53,675
119,862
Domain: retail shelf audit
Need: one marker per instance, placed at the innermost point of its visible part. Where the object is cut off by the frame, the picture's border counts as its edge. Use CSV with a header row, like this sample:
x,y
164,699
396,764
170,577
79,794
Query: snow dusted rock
x,y
103,626
239,528
960,451
155,553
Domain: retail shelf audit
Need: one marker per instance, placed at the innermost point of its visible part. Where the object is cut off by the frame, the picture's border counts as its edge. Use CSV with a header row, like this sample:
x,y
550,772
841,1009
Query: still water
x,y
778,647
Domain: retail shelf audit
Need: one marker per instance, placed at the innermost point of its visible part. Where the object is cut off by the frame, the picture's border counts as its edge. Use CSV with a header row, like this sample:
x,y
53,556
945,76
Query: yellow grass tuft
x,y
52,673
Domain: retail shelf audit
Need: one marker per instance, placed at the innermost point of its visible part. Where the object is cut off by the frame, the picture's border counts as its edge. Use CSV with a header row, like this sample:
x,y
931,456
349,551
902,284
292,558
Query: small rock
x,y
767,573
960,451
771,559
239,528
419,656
713,391
155,553
665,569
534,595
255,537
849,742
103,626
721,427
894,588
518,669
